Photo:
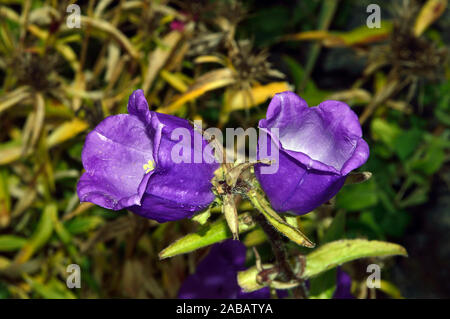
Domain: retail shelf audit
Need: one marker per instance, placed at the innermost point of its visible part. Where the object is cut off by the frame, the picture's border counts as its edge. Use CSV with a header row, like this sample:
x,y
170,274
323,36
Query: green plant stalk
x,y
326,15
259,201
272,224
276,241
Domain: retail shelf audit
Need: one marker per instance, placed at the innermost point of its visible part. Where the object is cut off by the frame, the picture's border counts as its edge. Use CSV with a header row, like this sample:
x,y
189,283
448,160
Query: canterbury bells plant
x,y
128,164
165,168
318,146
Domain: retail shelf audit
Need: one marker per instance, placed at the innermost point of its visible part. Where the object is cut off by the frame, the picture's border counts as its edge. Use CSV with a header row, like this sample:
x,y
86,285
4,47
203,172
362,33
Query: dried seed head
x,y
252,67
411,55
231,10
35,70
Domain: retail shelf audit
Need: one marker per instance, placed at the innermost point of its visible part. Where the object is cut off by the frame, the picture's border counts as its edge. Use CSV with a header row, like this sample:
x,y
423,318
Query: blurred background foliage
x,y
219,61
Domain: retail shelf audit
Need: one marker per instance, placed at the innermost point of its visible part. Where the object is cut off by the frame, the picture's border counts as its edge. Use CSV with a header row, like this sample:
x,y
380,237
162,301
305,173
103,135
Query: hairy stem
x,y
279,250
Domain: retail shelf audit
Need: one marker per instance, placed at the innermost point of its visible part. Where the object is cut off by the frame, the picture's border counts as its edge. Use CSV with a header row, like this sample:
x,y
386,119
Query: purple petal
x,y
177,190
360,156
113,156
295,188
263,293
343,285
163,210
216,275
138,106
323,137
122,148
318,147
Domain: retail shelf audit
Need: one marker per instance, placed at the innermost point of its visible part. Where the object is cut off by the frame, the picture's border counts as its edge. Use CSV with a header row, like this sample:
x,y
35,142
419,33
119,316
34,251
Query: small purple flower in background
x,y
216,275
318,147
128,164
177,25
343,285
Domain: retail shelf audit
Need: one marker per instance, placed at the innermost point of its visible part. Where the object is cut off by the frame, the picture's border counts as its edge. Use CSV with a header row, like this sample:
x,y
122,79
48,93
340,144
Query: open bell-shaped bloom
x,y
129,164
317,147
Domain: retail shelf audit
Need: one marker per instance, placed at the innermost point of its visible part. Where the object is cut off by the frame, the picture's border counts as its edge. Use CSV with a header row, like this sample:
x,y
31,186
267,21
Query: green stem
x,y
278,247
266,220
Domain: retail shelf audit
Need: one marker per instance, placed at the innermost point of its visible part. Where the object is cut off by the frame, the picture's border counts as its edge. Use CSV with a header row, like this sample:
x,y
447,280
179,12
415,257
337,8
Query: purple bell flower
x,y
318,147
128,164
343,285
216,275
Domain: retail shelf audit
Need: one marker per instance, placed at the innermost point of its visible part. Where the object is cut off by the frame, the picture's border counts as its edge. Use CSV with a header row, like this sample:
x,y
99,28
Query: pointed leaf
x,y
358,36
338,252
12,98
66,131
293,233
429,13
328,257
390,289
54,289
112,31
5,199
83,224
10,152
41,235
239,100
209,81
202,217
11,242
206,236
158,58
174,80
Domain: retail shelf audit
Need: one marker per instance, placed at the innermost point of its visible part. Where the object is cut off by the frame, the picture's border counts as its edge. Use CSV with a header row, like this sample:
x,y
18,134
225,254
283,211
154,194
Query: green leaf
x,y
65,237
406,143
295,69
323,286
431,159
293,233
83,224
206,236
10,151
367,218
390,289
255,237
336,230
338,252
41,235
5,199
385,131
394,223
310,92
54,289
357,196
4,293
202,217
364,35
11,242
327,12
326,258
